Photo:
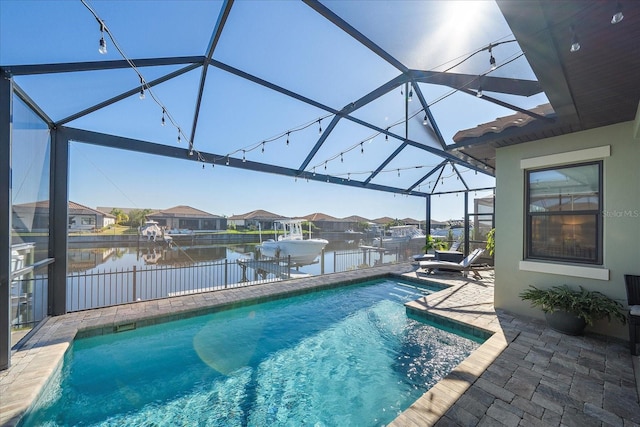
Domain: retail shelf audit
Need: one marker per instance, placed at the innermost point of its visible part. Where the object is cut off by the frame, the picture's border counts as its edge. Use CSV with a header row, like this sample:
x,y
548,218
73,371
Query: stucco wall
x,y
621,215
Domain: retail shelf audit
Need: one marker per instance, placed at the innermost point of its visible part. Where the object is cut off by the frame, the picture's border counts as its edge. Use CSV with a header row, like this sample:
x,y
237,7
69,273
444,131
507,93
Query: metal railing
x,y
86,290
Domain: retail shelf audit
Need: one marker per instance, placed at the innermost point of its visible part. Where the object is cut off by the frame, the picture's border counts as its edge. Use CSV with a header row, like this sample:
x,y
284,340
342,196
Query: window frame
x,y
598,259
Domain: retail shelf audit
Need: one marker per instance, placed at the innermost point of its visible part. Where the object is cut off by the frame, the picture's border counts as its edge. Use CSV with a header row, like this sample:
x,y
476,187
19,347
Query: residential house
x,y
254,220
188,218
34,217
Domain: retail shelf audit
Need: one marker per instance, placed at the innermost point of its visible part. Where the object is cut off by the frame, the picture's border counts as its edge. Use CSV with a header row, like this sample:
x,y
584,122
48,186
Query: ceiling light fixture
x,y
618,16
575,43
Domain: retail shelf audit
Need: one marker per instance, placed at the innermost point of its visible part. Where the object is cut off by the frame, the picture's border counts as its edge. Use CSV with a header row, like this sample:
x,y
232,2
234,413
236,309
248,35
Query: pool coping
x,y
36,361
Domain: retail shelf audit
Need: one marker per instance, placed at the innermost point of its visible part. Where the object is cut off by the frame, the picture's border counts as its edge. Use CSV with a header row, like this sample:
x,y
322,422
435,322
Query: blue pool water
x,y
341,357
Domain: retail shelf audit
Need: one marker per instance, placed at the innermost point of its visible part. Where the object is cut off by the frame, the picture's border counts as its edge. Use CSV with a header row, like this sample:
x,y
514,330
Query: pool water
x,y
340,357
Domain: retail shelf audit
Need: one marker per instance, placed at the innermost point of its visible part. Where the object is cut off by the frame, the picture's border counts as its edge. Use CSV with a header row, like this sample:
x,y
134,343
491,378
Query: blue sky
x,y
286,43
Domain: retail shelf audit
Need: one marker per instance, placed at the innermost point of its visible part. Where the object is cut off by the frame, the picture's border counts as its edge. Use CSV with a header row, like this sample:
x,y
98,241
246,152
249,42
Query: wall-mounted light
x,y
575,42
618,16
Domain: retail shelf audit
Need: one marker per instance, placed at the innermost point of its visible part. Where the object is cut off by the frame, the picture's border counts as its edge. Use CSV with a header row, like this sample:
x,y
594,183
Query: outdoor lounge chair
x,y
632,283
464,266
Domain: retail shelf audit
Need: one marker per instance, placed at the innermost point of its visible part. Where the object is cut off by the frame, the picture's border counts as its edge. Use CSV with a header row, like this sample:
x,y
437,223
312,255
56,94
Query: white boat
x,y
401,235
153,232
291,244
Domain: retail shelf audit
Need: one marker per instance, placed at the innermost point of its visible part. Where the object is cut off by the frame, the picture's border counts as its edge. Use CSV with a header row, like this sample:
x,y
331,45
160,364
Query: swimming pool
x,y
347,356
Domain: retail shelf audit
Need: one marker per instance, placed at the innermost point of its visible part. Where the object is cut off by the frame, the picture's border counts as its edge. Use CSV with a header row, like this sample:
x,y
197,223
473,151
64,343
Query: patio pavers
x,y
524,375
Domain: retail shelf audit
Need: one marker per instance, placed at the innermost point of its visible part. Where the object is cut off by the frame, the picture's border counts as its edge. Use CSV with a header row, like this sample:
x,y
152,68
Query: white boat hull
x,y
301,251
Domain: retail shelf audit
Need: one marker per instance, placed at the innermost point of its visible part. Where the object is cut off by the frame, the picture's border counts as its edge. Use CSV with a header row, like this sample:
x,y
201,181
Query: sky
x,y
288,44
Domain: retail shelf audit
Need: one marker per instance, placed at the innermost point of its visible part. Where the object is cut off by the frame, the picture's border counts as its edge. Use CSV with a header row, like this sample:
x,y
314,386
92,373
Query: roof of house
x,y
355,218
74,208
256,215
182,211
318,216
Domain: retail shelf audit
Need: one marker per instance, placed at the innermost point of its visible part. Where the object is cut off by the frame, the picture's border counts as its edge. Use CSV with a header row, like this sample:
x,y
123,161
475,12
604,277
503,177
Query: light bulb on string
x,y
244,159
203,166
492,60
325,165
262,147
398,172
163,121
425,121
314,171
288,138
479,92
341,158
227,162
386,136
179,139
410,94
142,96
191,151
319,126
361,148
348,177
102,45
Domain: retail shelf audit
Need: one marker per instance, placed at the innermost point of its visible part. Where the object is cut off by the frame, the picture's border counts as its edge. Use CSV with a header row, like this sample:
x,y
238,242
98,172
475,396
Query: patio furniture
x,y
465,266
450,256
632,283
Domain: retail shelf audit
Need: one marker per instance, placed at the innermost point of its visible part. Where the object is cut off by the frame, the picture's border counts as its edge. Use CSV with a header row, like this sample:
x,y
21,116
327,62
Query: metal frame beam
x,y
431,172
58,223
518,87
344,26
215,37
72,67
126,94
6,109
123,143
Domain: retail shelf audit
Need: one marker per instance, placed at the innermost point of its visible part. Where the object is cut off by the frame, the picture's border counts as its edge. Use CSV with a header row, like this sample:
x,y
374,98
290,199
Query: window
x,y
563,221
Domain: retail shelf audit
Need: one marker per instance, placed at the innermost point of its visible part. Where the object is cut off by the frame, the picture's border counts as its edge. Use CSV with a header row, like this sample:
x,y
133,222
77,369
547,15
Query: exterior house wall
x,y
620,215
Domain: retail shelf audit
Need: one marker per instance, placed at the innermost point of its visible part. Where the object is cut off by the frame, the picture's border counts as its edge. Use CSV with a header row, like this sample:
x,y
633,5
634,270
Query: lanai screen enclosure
x,y
367,94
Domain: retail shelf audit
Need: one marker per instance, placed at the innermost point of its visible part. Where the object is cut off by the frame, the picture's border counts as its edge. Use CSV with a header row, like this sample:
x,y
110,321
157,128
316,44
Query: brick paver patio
x,y
524,375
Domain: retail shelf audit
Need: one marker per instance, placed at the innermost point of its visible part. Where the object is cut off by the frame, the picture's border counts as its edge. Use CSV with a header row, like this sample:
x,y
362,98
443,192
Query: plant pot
x,y
565,322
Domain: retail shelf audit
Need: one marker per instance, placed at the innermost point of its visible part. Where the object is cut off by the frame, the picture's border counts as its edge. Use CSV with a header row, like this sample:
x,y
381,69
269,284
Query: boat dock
x,y
265,267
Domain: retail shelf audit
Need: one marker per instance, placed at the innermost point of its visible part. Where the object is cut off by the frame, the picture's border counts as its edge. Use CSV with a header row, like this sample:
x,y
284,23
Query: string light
x,y
325,165
479,92
349,177
191,151
410,94
361,148
425,121
341,158
262,147
386,136
102,45
179,135
141,88
319,126
227,163
492,60
288,132
244,159
163,113
203,166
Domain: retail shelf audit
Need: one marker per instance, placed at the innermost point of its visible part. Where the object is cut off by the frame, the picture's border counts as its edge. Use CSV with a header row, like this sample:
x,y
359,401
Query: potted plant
x,y
434,244
569,311
491,241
